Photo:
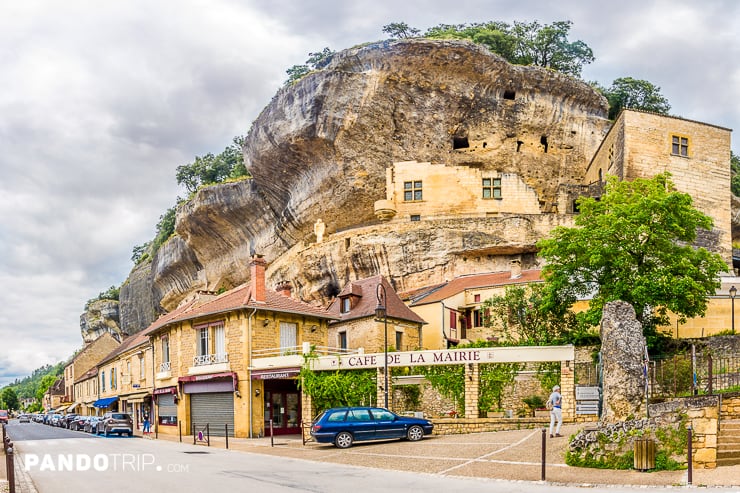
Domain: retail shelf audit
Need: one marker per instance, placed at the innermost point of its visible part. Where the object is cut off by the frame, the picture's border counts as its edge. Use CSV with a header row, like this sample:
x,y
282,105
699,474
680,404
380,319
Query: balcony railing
x,y
287,351
210,359
164,366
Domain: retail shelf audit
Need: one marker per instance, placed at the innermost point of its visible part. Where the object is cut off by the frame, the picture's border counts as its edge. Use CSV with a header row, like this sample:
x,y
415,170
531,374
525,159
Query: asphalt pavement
x,y
505,457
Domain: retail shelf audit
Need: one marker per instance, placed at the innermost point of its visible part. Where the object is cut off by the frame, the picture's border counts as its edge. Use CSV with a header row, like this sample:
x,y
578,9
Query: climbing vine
x,y
337,388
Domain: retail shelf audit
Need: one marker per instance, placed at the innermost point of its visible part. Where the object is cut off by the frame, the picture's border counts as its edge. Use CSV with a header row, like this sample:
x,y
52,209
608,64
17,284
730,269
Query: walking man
x,y
554,403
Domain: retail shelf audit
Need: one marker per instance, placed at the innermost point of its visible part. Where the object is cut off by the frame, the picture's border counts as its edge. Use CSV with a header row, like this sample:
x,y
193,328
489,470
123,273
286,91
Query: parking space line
x,y
482,457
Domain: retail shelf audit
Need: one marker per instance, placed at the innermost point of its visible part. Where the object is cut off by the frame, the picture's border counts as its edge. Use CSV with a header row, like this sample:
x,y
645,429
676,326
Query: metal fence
x,y
693,374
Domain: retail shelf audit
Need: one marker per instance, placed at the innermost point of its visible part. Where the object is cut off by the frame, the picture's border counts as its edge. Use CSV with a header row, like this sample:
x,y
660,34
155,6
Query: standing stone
x,y
622,356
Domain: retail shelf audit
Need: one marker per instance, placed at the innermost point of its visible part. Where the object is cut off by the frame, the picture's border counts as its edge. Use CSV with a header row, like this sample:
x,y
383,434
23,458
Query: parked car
x,y
67,420
78,423
116,423
91,425
54,419
346,425
3,416
24,418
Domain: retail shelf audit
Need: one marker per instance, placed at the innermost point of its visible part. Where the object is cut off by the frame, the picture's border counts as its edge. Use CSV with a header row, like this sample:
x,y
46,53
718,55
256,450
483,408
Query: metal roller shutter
x,y
215,409
167,406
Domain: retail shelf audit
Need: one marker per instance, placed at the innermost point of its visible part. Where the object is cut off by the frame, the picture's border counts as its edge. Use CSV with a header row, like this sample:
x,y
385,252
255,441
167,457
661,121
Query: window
x,y
412,191
204,341
128,368
343,340
346,304
102,381
142,368
679,146
288,337
219,342
165,349
491,188
399,341
112,378
476,298
477,318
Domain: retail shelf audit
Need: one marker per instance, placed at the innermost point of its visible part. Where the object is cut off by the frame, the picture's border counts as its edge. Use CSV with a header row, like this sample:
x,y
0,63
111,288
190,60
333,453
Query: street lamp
x,y
733,292
380,312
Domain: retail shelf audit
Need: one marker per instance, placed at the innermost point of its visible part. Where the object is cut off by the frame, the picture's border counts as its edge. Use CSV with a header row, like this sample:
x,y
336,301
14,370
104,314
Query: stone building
x,y
84,360
358,325
205,352
126,378
87,392
453,310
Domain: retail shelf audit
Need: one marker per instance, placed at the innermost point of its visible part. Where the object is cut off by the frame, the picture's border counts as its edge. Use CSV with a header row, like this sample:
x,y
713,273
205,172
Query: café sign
x,y
446,357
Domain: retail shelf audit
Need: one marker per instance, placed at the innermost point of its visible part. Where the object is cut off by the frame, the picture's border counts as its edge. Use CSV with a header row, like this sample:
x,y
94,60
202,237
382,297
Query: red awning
x,y
276,374
165,390
210,376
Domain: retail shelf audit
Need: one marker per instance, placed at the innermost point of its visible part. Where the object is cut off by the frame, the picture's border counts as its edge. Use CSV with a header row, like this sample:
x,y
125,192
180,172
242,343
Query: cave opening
x,y
460,142
543,141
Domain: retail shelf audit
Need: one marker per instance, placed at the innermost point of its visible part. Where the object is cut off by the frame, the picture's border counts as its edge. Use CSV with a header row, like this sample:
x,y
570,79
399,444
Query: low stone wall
x,y
457,426
703,416
730,406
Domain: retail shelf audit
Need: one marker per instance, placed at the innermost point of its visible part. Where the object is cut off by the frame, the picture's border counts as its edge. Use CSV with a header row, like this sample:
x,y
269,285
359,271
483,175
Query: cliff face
x,y
101,316
321,147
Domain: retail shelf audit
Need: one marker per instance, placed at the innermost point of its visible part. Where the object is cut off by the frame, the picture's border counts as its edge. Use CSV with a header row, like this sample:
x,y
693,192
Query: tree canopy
x,y
211,169
626,92
634,245
315,61
735,172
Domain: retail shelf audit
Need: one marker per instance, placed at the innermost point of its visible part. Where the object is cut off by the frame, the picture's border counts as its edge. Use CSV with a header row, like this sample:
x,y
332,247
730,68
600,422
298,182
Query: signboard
x,y
587,393
446,357
281,374
587,400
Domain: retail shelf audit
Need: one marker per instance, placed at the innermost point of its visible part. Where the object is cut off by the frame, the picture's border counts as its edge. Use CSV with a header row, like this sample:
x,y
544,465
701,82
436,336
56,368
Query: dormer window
x,y
346,304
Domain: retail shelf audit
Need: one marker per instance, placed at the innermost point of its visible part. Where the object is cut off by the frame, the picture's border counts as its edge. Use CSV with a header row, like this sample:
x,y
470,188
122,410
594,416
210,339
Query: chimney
x,y
516,268
257,277
284,288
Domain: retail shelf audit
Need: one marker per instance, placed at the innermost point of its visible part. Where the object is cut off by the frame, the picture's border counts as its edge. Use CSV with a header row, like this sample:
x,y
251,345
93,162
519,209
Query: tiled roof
x,y
488,280
367,301
237,299
88,374
130,342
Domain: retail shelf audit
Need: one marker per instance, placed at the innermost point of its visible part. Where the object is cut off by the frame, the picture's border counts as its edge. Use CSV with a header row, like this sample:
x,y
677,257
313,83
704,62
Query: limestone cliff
x,y
321,147
101,316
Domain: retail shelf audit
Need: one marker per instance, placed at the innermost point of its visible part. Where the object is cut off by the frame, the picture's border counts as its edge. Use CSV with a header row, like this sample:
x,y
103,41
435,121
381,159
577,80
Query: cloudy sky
x,y
101,101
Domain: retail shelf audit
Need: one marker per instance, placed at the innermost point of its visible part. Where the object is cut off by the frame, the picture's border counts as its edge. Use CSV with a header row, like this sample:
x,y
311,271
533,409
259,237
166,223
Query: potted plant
x,y
533,403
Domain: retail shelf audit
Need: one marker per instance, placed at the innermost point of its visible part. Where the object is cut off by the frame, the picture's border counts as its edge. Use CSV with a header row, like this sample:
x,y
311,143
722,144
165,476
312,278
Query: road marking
x,y
479,459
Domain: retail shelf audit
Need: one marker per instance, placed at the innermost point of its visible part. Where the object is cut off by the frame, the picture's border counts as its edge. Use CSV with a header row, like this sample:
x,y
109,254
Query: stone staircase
x,y
728,443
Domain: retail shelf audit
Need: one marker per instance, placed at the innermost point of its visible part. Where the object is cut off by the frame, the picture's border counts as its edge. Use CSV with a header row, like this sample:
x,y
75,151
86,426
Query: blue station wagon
x,y
345,425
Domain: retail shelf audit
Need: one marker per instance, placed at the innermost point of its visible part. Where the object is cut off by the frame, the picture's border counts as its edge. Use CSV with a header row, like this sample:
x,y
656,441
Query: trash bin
x,y
644,454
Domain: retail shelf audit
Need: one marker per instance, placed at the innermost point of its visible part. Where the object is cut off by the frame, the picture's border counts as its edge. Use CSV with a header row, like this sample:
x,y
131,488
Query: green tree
x,y
46,382
211,169
10,398
521,315
165,227
524,43
735,172
548,46
315,61
634,245
400,30
627,92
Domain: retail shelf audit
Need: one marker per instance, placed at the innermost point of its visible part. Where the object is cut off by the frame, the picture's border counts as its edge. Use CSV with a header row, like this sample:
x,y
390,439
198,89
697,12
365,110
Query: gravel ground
x,y
508,455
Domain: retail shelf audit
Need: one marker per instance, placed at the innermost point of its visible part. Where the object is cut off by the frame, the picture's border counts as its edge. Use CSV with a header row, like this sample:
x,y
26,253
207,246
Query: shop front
x,y
137,405
165,418
211,399
282,400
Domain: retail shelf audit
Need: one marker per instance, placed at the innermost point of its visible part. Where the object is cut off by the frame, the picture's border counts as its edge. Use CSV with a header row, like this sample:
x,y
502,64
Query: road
x,y
62,461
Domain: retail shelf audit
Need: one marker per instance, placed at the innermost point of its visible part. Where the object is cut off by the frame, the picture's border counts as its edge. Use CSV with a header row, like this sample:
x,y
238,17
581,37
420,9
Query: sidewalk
x,y
506,455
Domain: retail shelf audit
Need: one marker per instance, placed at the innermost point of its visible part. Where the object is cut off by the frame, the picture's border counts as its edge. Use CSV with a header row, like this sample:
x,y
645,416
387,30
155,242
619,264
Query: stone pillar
x,y
568,390
307,414
622,356
381,389
472,385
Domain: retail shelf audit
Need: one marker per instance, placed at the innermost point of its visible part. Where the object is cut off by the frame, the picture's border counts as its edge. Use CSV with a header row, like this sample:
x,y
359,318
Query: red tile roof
x,y
131,342
488,280
366,291
237,299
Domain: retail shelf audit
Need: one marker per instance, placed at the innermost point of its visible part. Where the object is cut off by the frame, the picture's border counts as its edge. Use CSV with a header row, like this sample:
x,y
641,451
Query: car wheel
x,y
415,433
344,439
